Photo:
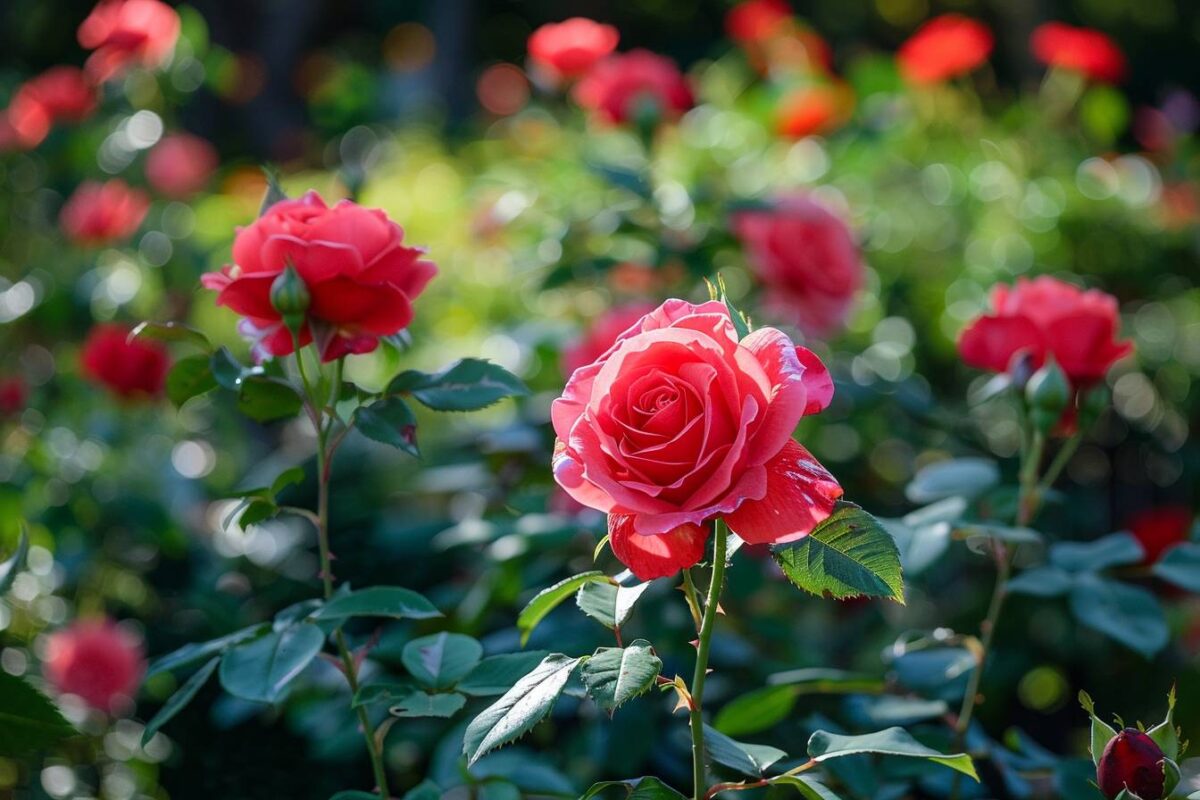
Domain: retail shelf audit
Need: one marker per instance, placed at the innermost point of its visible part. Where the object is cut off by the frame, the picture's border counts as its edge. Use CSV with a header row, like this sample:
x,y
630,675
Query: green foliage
x,y
190,377
1180,566
614,675
466,385
389,420
14,563
634,789
848,555
378,601
748,759
261,670
427,704
441,660
520,708
1129,614
546,600
179,700
610,604
967,477
823,746
28,720
497,674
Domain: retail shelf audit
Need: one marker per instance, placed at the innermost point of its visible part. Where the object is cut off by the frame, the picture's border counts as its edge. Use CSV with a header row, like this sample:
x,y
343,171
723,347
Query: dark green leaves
x,y
610,604
466,385
1179,566
763,708
1114,550
615,674
190,654
520,708
261,397
748,759
28,720
14,563
389,420
545,601
378,601
635,789
260,670
847,555
172,332
497,674
1129,614
441,660
823,746
176,702
967,477
428,704
189,377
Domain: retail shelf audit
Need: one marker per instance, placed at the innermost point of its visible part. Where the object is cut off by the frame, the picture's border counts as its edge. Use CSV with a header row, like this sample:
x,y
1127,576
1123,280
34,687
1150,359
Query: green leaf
x,y
191,653
257,511
1180,566
425,704
923,535
610,604
264,399
379,601
188,378
356,795
171,332
28,720
811,788
520,708
821,680
1114,550
1042,582
967,477
466,385
226,370
389,420
260,670
823,746
1165,734
14,563
545,601
382,693
497,674
635,789
1101,732
425,790
748,759
176,702
288,477
848,555
441,660
614,675
1129,614
756,710
1001,533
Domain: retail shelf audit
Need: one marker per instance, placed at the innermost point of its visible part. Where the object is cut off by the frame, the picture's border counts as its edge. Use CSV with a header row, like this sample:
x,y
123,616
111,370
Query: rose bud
x,y
1132,761
1048,392
290,297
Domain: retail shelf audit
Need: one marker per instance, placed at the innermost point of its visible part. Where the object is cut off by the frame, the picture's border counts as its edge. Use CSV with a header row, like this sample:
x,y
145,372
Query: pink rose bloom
x,y
97,661
125,33
680,423
568,49
807,260
361,277
616,87
1042,317
180,165
98,214
603,334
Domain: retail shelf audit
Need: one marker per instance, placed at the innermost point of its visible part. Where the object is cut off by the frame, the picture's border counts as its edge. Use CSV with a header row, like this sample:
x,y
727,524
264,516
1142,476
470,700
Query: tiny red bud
x,y
1132,761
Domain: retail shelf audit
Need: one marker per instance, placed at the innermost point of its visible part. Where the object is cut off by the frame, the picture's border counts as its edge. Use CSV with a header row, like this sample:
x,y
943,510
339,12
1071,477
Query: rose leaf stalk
x,y
704,642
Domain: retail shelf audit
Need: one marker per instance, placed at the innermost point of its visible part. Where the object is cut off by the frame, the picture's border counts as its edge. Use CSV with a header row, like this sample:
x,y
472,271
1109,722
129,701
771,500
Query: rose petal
x,y
790,397
1084,346
651,557
316,262
990,342
380,309
800,494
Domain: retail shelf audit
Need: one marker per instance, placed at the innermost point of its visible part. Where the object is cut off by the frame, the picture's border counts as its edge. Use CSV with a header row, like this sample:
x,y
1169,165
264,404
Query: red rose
x,y
813,110
1132,761
680,423
130,368
755,20
1083,50
603,333
97,661
125,33
180,165
616,88
103,213
65,93
361,278
568,49
1160,529
944,48
14,394
23,126
807,260
1045,316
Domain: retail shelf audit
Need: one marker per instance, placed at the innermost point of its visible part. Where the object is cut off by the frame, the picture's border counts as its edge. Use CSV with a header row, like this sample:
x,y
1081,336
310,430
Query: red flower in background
x,y
97,661
129,368
570,48
180,165
1160,529
944,48
816,109
1083,50
126,33
602,334
60,94
103,213
14,394
1045,316
361,278
679,423
616,88
807,260
756,20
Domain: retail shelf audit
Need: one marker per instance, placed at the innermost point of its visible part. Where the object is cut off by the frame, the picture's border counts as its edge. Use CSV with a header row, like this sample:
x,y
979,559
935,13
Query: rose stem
x,y
325,451
720,535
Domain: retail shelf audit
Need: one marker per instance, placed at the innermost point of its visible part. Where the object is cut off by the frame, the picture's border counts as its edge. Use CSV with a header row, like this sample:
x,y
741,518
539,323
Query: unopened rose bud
x,y
1092,404
1047,393
290,297
1132,761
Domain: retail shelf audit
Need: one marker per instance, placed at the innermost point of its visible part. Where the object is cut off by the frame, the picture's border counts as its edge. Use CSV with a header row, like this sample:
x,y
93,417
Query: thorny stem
x,y
693,599
720,540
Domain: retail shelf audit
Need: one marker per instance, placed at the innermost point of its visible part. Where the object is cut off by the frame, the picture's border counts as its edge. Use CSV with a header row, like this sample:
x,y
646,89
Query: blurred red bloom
x,y
103,213
125,33
756,20
14,394
96,661
603,332
807,260
1160,529
361,277
618,88
129,368
1083,50
570,48
1042,317
944,48
181,164
816,109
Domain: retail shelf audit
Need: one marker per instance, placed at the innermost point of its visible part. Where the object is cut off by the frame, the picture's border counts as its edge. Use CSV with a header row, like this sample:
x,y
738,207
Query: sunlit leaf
x,y
520,708
848,555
